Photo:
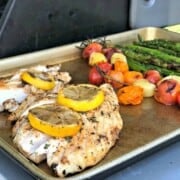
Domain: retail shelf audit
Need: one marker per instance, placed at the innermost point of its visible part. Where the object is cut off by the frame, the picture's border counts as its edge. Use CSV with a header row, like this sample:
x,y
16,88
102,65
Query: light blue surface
x,y
154,13
9,170
162,165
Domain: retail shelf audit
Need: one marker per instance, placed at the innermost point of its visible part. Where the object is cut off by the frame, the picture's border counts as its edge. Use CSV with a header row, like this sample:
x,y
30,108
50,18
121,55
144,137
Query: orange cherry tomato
x,y
115,78
131,76
131,94
121,66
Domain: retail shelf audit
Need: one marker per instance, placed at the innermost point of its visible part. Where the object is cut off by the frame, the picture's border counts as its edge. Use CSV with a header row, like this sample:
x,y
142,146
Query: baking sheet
x,y
146,126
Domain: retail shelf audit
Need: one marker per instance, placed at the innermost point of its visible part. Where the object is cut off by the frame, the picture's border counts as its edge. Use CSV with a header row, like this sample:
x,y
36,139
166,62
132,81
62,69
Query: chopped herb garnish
x,y
46,146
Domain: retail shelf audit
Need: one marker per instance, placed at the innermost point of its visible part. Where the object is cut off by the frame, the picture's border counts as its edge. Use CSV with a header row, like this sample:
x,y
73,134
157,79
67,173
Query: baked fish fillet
x,y
13,90
100,130
30,142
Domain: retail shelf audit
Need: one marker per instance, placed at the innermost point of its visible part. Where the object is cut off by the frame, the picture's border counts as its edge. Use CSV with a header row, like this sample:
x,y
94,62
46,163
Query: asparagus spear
x,y
154,53
138,66
160,48
148,59
165,43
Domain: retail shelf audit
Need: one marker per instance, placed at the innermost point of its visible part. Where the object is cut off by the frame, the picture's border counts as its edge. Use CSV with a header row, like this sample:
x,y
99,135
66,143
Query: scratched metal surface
x,y
146,126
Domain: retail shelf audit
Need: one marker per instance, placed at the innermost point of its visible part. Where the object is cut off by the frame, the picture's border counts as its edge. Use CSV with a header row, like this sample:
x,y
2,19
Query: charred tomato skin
x,y
166,92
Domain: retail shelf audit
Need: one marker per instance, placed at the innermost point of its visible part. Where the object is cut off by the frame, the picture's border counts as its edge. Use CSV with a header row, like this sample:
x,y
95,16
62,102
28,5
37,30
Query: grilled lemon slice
x,y
81,97
41,80
55,120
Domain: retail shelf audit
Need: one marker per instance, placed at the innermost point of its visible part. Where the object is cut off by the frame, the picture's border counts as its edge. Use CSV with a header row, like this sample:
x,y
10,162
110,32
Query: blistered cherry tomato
x,y
95,77
90,48
131,76
105,66
152,76
108,52
115,78
96,57
98,72
166,92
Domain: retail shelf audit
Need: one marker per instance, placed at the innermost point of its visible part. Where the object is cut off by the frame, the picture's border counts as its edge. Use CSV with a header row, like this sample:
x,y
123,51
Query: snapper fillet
x,y
65,156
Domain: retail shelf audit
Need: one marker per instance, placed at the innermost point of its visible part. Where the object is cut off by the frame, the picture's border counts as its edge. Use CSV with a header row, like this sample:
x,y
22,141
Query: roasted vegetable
x,y
167,91
131,76
115,78
121,66
148,87
132,95
154,53
118,57
90,48
96,57
166,44
138,66
160,46
97,72
149,59
159,54
152,76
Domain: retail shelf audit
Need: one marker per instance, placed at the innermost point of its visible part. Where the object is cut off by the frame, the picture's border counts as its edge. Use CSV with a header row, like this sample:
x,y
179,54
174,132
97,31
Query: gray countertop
x,y
161,165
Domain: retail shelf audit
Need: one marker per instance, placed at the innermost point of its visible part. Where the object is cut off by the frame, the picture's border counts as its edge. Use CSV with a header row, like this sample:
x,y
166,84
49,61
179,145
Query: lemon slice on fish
x,y
55,120
81,97
41,80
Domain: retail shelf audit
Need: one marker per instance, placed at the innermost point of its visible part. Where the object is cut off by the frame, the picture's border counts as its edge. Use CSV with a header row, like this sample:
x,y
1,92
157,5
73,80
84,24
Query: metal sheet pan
x,y
146,126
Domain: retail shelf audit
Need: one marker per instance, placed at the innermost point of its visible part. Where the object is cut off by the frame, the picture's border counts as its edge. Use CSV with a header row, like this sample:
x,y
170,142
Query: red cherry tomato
x,y
95,77
98,72
105,66
108,52
90,48
152,76
166,92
